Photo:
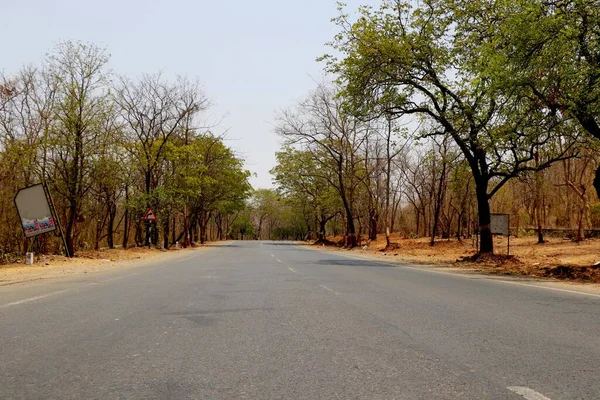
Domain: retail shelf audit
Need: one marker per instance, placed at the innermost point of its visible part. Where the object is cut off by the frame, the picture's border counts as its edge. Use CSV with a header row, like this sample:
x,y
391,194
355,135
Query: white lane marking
x,y
278,260
272,255
30,299
468,276
329,289
185,259
111,279
292,269
528,393
548,288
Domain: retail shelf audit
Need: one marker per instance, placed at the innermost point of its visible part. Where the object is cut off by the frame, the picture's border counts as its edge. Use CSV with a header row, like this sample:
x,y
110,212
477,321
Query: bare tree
x,y
154,111
75,72
320,125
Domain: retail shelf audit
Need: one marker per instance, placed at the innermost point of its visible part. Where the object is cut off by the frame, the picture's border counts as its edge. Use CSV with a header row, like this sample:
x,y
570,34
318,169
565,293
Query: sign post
x,y
150,219
500,225
36,212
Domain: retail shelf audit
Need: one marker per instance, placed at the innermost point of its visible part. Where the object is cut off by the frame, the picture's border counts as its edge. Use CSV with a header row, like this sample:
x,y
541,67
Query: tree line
x,y
442,112
109,147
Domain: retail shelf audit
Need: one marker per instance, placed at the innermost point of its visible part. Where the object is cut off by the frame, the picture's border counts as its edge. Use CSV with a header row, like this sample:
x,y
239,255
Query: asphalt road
x,y
264,320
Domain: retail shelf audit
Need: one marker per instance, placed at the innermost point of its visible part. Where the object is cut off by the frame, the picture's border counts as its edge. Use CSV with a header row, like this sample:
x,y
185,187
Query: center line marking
x,y
329,289
292,269
278,260
528,393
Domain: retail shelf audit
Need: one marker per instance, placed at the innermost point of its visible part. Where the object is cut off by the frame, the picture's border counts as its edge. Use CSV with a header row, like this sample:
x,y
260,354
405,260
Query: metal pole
x,y
508,250
56,220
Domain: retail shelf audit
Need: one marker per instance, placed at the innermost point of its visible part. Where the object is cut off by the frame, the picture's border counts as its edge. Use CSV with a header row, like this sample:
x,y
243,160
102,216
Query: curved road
x,y
266,320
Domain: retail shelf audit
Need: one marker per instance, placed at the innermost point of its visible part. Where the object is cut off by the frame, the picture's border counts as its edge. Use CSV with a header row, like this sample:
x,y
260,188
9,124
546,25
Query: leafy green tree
x,y
297,174
265,208
154,112
242,227
223,185
547,51
75,74
408,60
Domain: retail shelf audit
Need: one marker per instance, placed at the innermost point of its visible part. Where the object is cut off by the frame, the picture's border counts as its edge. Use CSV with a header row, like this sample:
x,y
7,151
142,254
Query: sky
x,y
251,57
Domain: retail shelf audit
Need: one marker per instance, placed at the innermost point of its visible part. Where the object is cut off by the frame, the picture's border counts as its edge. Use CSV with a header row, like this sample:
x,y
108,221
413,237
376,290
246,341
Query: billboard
x,y
34,211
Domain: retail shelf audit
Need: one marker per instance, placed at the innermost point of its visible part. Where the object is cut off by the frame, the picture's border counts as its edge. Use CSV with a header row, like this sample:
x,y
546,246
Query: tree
x,y
75,74
154,112
241,227
333,137
298,175
223,184
109,151
548,51
264,205
404,60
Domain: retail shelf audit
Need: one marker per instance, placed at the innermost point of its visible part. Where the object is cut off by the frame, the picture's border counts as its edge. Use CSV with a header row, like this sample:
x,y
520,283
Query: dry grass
x,y
557,258
51,266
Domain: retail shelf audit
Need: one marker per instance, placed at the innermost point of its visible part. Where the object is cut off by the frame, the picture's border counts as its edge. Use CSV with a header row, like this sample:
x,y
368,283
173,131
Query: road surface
x,y
266,320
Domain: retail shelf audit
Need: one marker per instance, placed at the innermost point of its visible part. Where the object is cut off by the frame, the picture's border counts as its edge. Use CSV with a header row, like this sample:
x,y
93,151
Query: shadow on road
x,y
352,263
219,245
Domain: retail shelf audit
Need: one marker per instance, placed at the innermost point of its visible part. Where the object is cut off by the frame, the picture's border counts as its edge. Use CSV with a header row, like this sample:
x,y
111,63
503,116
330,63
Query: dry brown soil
x,y
557,258
51,266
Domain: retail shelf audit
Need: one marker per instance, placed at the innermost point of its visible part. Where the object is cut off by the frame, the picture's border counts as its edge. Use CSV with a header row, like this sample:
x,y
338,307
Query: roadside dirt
x,y
86,262
557,258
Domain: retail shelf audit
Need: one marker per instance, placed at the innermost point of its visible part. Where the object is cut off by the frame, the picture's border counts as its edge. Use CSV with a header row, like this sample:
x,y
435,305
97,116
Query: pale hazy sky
x,y
252,57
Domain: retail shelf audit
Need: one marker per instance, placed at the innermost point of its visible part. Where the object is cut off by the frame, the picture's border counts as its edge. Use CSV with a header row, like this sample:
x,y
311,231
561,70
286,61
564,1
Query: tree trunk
x,y
126,226
186,227
71,227
195,228
148,181
418,219
173,229
539,229
388,172
373,218
486,242
322,224
597,182
438,204
219,222
166,231
350,228
112,214
98,235
580,225
204,219
351,242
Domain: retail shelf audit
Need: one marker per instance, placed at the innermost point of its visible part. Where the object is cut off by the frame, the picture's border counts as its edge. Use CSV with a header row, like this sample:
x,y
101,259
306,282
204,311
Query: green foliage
x,y
241,228
408,59
110,150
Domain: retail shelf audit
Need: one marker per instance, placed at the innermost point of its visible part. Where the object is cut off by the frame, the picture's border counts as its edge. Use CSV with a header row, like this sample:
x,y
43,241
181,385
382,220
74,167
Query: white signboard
x,y
34,211
500,224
